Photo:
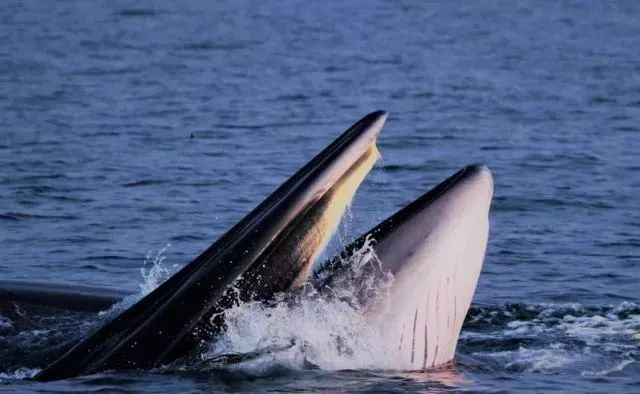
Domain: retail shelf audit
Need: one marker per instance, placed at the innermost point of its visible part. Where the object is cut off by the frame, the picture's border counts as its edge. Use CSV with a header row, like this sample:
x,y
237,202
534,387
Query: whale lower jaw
x,y
436,256
422,317
434,248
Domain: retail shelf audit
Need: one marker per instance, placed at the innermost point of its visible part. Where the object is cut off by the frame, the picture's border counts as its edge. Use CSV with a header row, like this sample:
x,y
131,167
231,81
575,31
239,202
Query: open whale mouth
x,y
434,247
473,183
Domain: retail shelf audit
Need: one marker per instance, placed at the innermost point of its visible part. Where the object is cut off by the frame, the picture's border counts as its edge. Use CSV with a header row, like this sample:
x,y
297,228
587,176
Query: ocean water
x,y
127,126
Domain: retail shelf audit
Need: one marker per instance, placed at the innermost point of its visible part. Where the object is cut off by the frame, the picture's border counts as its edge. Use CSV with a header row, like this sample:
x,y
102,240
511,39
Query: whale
x,y
60,295
427,257
434,249
272,249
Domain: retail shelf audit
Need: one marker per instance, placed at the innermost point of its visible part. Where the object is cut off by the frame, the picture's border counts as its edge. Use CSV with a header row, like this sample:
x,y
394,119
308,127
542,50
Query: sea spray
x,y
154,271
325,328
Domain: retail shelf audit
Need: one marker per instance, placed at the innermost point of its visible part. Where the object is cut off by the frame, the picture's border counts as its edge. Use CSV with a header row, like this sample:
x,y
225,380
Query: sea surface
x,y
126,127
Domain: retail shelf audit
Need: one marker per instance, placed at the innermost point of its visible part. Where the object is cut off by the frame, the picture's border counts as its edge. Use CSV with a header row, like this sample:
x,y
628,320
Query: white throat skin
x,y
436,257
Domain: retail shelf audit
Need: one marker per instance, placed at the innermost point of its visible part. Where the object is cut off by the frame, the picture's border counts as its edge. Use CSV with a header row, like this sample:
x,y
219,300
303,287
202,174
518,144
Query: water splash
x,y
327,330
157,273
329,334
332,333
154,271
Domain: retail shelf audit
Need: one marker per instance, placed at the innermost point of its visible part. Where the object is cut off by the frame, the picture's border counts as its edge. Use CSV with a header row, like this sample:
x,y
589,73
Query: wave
x,y
551,338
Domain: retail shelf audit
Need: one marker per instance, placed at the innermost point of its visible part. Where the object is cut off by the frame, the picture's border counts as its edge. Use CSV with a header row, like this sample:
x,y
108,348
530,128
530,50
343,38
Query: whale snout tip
x,y
379,114
375,121
481,176
479,169
382,114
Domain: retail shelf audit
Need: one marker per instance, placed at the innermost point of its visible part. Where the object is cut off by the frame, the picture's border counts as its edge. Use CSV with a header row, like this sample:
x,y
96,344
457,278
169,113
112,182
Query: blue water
x,y
128,126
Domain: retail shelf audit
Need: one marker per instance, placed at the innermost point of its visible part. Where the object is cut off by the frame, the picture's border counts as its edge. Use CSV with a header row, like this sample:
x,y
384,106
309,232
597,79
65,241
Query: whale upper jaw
x,y
295,221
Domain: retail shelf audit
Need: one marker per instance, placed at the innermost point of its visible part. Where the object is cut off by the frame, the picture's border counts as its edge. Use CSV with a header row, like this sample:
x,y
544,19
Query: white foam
x,y
546,360
20,373
331,333
5,323
615,368
592,341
